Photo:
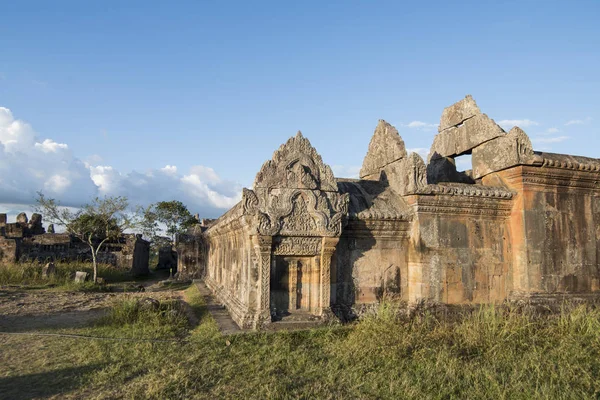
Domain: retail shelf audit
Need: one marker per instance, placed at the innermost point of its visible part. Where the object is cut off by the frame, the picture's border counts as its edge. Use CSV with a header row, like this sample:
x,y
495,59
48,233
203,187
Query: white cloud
x,y
556,139
420,125
201,189
552,130
94,159
28,165
521,123
578,121
169,169
50,146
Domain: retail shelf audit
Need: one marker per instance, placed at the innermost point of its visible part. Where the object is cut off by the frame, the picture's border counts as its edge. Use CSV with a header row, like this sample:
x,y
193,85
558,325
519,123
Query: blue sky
x,y
213,88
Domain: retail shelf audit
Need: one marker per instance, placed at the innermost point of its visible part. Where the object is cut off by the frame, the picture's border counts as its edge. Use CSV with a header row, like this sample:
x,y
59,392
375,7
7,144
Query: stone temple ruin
x,y
521,225
27,240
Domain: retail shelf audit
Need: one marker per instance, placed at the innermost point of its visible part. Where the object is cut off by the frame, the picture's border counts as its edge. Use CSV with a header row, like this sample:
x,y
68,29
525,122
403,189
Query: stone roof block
x,y
386,146
502,152
458,113
462,139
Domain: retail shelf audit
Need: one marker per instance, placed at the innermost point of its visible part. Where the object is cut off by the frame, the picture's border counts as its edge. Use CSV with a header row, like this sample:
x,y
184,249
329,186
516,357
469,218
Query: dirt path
x,y
33,310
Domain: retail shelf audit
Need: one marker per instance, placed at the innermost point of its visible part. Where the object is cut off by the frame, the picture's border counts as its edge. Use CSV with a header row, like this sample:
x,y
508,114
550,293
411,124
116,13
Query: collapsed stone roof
x,y
388,173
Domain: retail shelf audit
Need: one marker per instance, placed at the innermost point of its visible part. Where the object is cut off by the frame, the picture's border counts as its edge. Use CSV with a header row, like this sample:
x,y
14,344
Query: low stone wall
x,y
27,240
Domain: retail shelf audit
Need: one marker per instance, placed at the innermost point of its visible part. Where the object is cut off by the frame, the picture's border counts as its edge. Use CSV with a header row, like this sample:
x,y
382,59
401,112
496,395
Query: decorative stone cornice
x,y
457,189
370,214
476,206
549,178
550,160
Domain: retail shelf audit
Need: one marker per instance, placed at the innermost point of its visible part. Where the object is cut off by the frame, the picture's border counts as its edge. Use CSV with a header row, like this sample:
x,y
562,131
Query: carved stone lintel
x,y
297,246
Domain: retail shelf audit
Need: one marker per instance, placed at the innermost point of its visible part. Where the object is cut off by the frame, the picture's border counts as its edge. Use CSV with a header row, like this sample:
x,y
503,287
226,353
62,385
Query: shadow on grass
x,y
45,384
50,321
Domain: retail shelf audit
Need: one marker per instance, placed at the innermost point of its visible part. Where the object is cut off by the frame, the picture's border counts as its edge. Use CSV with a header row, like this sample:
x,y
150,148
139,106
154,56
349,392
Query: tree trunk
x,y
94,264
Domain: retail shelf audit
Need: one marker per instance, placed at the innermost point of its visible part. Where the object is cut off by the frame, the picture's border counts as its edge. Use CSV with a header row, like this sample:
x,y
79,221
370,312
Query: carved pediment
x,y
295,212
296,165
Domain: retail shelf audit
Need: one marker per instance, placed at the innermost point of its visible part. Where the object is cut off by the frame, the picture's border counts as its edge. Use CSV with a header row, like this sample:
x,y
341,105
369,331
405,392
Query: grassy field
x,y
490,354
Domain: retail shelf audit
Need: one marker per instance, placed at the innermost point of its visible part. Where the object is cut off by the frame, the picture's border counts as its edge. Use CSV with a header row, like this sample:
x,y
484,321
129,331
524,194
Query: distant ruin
x,y
27,240
520,225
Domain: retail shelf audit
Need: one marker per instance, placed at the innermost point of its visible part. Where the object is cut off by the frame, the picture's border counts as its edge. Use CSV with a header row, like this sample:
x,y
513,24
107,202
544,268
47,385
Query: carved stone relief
x,y
301,246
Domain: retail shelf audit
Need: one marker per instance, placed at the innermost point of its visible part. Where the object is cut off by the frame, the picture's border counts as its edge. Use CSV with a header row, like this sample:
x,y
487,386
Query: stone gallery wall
x,y
554,224
519,225
230,269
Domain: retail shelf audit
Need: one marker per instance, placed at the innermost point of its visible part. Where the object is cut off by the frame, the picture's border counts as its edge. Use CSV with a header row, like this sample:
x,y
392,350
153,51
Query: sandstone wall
x,y
460,248
370,262
8,250
555,224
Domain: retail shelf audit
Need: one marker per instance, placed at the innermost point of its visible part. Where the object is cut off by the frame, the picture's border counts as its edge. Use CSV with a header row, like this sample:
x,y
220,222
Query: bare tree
x,y
95,223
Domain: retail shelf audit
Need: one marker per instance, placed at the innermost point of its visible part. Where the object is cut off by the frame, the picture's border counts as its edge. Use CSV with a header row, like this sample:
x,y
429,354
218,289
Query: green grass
x,y
493,353
133,318
29,274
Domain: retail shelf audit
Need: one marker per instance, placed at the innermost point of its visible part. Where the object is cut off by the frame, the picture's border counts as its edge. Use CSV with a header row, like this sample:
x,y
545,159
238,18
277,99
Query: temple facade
x,y
520,225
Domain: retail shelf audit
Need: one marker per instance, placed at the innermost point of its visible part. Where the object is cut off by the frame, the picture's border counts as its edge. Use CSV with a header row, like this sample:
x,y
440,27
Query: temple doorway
x,y
293,286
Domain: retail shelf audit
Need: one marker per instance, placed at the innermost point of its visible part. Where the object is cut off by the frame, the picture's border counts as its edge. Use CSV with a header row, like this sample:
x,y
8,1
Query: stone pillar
x,y
293,283
263,247
327,249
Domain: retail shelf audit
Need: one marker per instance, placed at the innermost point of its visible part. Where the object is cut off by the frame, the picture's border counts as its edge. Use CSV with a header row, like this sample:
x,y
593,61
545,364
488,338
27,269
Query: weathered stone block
x,y
81,276
386,146
35,226
13,230
404,176
458,112
503,152
141,255
48,270
462,139
22,218
8,250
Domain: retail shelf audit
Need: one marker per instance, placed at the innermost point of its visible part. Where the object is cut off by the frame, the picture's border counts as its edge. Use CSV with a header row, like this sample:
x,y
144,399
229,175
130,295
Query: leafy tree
x,y
173,215
95,223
